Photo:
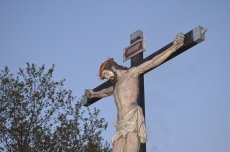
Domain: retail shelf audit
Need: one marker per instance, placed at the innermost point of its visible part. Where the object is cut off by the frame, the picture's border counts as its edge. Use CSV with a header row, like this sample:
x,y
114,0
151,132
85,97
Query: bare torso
x,y
126,92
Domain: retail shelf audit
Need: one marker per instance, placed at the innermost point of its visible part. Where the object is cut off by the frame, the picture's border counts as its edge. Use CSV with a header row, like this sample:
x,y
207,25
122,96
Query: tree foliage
x,y
36,114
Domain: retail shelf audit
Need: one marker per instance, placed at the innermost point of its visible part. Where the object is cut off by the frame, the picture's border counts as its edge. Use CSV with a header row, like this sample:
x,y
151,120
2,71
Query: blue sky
x,y
187,99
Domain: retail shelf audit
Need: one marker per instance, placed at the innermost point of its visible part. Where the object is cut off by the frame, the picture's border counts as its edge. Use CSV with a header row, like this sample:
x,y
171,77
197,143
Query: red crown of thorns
x,y
103,66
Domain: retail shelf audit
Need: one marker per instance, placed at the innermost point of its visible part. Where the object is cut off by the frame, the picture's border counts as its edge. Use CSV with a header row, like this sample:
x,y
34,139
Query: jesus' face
x,y
108,74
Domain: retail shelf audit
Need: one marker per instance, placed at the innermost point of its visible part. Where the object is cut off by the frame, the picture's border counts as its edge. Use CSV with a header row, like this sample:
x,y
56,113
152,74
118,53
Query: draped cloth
x,y
133,121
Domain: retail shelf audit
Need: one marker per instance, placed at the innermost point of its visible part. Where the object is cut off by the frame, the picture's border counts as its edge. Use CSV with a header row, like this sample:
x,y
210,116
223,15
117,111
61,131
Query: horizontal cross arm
x,y
192,38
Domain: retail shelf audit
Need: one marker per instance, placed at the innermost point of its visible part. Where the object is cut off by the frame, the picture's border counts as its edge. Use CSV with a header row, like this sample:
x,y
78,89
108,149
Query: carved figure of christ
x,y
130,126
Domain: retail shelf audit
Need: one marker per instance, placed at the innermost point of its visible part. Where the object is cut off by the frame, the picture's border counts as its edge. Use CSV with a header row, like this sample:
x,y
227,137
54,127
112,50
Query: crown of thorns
x,y
105,66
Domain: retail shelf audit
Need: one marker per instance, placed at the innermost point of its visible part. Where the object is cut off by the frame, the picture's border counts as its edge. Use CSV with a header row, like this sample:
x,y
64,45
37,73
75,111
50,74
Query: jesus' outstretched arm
x,y
99,94
160,58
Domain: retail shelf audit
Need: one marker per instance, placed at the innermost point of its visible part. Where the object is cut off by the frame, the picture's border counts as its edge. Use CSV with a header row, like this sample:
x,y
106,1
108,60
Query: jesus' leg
x,y
119,145
132,142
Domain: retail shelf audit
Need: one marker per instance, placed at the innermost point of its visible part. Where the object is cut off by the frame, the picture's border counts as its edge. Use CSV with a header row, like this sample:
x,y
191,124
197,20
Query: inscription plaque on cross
x,y
127,85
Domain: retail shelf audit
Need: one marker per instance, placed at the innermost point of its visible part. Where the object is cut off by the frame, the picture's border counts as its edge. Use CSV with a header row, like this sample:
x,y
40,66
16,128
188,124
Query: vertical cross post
x,y
135,61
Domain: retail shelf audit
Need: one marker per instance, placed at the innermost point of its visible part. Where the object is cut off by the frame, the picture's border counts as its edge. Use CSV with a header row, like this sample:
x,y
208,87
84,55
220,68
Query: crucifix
x,y
127,86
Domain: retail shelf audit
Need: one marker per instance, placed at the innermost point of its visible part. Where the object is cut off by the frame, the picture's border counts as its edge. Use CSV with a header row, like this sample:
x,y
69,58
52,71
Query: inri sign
x,y
134,49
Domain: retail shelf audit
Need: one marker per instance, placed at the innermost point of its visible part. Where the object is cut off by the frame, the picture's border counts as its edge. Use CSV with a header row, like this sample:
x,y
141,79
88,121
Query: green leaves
x,y
36,114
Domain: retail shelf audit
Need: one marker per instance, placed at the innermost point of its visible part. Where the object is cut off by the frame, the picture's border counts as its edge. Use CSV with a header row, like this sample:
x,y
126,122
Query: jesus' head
x,y
107,69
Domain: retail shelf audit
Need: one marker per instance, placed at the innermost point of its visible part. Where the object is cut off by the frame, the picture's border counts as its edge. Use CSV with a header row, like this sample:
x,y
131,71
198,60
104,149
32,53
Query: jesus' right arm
x,y
99,94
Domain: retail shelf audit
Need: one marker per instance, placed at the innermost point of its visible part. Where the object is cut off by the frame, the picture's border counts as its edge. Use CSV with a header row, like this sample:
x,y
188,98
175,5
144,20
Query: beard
x,y
114,80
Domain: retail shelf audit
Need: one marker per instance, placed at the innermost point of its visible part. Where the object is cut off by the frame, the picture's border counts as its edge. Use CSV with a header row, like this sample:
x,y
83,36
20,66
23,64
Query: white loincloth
x,y
133,121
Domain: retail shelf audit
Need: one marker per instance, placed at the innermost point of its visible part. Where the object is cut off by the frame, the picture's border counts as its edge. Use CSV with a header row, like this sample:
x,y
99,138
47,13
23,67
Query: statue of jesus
x,y
130,125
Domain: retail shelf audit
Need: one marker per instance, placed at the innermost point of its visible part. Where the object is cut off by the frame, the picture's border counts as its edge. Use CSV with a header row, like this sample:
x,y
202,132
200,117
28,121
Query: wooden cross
x,y
192,38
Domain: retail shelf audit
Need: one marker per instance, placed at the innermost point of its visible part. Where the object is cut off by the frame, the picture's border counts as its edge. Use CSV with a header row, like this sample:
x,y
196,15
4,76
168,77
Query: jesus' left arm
x,y
160,58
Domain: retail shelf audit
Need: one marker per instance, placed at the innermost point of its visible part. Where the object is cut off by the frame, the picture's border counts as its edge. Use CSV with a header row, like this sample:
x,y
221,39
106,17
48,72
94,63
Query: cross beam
x,y
192,38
